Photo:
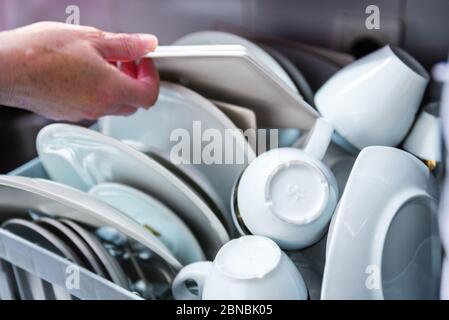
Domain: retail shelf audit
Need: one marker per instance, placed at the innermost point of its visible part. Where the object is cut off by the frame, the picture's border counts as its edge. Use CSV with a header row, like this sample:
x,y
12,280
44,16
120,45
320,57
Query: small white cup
x,y
248,268
288,194
425,139
373,101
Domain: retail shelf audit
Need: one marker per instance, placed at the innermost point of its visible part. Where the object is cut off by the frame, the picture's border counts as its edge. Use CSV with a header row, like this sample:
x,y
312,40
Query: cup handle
x,y
319,139
197,272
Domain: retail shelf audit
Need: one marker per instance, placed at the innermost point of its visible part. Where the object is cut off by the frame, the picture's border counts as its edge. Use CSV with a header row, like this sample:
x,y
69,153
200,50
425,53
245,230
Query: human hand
x,y
67,72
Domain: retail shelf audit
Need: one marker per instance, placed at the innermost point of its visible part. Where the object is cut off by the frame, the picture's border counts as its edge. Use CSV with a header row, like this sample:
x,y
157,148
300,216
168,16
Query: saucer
x,y
153,215
181,117
21,194
83,158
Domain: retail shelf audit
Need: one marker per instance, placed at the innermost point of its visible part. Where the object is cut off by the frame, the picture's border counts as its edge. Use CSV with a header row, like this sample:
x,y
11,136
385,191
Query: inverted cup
x,y
373,101
288,194
248,268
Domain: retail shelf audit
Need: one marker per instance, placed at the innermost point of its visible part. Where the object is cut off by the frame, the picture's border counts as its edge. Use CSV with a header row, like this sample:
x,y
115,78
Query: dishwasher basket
x,y
45,265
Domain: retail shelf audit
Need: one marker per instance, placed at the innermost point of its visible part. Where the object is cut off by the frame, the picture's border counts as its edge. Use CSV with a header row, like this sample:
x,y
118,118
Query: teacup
x,y
383,241
425,138
288,194
373,101
247,268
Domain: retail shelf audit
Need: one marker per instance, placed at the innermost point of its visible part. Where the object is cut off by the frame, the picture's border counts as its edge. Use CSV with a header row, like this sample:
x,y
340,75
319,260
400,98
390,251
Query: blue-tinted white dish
x,y
152,214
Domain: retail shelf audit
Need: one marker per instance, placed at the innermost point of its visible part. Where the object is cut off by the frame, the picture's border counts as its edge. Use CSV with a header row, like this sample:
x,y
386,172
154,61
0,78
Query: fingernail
x,y
150,41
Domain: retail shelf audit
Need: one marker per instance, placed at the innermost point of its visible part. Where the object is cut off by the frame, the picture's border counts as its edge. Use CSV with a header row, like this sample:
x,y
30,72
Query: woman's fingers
x,y
126,111
137,85
129,68
122,46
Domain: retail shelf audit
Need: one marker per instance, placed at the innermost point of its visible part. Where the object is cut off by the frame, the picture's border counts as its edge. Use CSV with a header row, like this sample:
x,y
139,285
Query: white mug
x,y
383,240
425,139
247,268
288,194
373,101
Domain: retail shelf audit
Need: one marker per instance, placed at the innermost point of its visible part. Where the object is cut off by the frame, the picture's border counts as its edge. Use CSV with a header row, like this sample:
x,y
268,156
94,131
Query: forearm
x,y
64,72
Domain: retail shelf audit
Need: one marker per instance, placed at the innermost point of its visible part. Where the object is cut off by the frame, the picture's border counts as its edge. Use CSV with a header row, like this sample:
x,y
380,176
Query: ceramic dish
x,y
177,113
383,239
424,139
84,158
338,58
20,194
109,263
243,118
155,216
71,239
225,38
315,68
238,79
31,287
295,74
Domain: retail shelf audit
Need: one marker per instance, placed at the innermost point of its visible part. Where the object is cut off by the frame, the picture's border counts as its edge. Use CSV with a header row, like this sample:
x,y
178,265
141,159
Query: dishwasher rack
x,y
30,258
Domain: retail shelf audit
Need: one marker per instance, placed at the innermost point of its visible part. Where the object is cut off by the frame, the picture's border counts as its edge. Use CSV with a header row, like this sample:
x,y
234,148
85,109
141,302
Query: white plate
x,y
22,194
339,58
315,68
243,118
83,158
295,74
225,38
177,109
231,74
383,238
150,213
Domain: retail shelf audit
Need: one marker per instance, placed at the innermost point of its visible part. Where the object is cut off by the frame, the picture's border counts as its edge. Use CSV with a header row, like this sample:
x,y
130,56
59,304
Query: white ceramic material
x,y
444,289
425,139
159,129
248,268
294,73
288,194
83,158
315,68
242,117
154,215
20,194
383,240
336,57
225,38
237,78
373,101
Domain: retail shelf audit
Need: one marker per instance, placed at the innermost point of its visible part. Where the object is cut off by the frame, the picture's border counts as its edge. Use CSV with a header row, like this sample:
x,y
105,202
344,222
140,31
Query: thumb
x,y
123,46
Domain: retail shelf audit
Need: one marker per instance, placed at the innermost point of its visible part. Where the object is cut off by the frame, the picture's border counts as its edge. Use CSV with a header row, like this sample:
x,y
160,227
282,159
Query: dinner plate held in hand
x,y
83,158
231,74
225,38
295,74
